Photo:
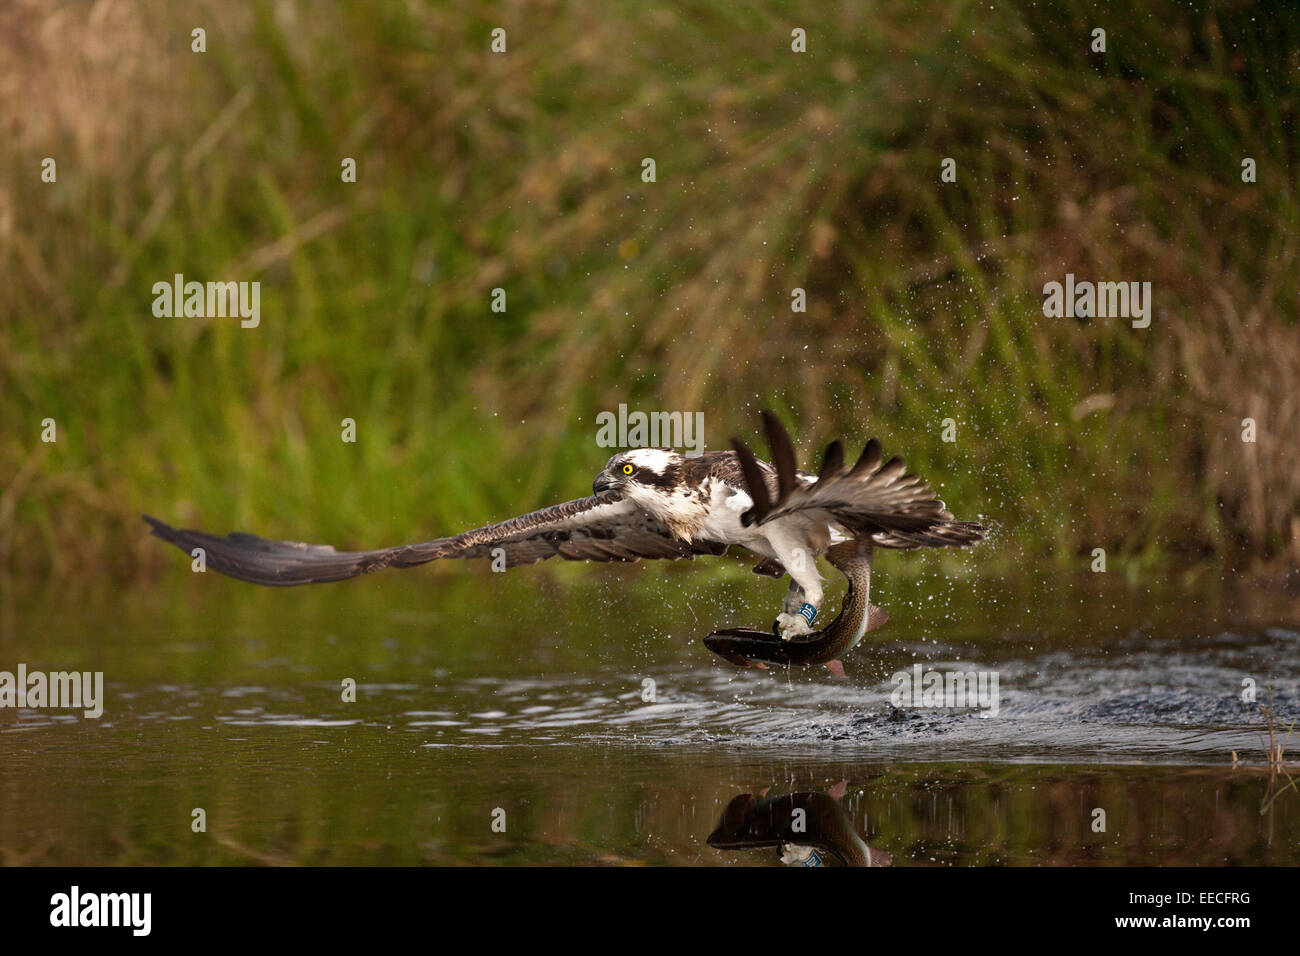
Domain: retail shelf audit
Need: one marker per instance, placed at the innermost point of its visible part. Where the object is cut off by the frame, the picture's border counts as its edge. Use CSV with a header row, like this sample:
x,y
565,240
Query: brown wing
x,y
604,527
872,499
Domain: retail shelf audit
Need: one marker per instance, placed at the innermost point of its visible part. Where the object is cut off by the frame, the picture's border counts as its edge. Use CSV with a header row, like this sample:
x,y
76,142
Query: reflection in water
x,y
808,829
522,693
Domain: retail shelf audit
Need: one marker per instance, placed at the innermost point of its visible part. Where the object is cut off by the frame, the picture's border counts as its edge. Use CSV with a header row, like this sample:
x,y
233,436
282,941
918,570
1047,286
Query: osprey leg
x,y
746,646
797,614
804,599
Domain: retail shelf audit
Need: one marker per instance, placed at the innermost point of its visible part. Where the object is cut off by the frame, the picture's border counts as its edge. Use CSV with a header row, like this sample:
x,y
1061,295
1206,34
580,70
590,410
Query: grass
x,y
775,171
1277,763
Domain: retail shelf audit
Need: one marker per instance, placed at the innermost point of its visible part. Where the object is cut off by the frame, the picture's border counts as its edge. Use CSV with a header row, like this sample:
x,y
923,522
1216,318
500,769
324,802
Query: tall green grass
x,y
775,171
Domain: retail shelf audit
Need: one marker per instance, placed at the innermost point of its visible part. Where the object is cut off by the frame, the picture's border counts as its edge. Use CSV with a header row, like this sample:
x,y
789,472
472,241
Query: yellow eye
x,y
628,469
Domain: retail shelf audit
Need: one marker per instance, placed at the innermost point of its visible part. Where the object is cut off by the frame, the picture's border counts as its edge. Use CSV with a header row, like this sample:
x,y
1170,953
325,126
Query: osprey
x,y
656,503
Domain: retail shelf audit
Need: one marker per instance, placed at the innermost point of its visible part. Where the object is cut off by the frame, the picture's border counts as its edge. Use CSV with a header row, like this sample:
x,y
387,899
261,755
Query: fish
x,y
820,833
749,647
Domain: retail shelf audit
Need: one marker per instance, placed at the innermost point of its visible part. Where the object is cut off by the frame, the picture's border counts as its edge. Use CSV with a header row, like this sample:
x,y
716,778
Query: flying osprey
x,y
655,503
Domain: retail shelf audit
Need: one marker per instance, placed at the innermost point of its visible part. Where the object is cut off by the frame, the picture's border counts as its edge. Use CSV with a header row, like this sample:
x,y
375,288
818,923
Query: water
x,y
524,697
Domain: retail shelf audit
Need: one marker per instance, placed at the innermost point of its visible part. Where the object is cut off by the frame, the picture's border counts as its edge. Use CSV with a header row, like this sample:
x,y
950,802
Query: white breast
x,y
721,521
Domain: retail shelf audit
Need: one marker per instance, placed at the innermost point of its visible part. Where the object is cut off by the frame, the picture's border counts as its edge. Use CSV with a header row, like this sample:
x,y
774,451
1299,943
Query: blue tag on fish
x,y
808,612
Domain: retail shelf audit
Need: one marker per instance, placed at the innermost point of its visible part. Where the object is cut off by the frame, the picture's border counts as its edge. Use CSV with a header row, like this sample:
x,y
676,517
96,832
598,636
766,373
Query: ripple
x,y
1151,702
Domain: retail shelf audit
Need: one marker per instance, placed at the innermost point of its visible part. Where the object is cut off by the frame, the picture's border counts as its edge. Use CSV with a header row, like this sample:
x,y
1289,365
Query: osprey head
x,y
640,473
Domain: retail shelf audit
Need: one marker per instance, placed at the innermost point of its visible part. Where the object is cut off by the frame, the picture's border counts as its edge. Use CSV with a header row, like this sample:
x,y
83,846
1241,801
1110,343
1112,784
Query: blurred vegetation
x,y
522,171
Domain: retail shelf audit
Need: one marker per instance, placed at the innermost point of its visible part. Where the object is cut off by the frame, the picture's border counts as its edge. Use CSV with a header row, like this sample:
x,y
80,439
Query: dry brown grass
x,y
774,172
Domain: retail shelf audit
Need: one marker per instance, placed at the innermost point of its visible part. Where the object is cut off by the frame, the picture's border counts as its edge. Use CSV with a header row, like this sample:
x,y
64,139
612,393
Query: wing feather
x,y
603,527
884,502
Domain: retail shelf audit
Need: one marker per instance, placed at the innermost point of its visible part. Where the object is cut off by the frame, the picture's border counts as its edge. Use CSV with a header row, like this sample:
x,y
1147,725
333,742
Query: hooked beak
x,y
603,482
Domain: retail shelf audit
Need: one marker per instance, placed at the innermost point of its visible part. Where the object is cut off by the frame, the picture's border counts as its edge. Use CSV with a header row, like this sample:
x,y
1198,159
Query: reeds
x,y
776,171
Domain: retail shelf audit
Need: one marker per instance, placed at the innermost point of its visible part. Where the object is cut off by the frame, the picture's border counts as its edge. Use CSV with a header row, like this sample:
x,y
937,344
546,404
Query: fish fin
x,y
835,667
838,791
763,792
759,664
876,618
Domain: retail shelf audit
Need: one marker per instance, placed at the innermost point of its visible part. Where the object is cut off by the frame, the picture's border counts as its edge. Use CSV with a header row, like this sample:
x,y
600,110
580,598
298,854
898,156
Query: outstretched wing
x,y
604,527
872,499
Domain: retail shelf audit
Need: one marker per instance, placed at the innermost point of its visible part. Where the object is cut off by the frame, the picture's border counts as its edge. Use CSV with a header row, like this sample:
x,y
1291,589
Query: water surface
x,y
582,708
